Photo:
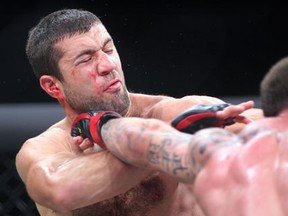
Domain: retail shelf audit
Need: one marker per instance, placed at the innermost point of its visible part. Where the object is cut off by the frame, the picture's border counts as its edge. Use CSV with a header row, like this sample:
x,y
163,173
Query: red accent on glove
x,y
193,118
79,117
94,126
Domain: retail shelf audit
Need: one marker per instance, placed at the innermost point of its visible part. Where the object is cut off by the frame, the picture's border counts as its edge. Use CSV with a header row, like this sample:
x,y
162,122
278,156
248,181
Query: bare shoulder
x,y
254,131
168,108
241,173
55,139
62,124
142,104
231,156
261,142
49,138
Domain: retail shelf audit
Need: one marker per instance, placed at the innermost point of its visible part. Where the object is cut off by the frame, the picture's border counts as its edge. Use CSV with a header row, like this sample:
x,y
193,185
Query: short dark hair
x,y
41,52
274,89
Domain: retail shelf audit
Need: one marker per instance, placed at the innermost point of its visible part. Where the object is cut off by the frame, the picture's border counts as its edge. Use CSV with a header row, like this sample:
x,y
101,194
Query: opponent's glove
x,y
201,116
88,125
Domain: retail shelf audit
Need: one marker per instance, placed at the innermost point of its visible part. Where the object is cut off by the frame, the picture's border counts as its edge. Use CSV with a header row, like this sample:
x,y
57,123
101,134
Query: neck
x,y
70,113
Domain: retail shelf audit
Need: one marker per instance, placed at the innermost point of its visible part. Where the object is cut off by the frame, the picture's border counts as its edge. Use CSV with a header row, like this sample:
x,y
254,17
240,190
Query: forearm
x,y
152,144
64,183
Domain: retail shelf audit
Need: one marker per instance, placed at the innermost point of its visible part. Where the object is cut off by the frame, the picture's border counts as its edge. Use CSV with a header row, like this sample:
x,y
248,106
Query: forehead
x,y
93,39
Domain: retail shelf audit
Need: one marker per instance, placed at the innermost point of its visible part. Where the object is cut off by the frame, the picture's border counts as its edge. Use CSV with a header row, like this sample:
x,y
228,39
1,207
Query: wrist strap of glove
x,y
96,123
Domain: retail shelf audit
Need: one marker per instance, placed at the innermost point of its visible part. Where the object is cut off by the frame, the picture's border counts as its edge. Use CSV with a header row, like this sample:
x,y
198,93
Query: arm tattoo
x,y
184,155
164,148
166,153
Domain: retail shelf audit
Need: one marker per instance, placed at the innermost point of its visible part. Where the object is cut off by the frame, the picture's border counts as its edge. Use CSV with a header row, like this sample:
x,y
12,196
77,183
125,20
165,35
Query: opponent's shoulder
x,y
261,143
253,130
255,144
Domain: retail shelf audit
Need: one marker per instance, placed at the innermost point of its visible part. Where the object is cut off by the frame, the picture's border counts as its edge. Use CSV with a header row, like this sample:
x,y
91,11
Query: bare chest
x,y
139,201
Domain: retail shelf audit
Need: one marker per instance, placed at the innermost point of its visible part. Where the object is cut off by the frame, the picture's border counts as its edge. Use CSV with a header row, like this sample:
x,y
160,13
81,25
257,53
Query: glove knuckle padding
x,y
80,126
198,117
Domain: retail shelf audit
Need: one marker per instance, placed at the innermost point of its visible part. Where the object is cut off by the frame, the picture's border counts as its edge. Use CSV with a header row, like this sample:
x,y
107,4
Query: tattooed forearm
x,y
124,140
184,156
155,145
149,144
169,151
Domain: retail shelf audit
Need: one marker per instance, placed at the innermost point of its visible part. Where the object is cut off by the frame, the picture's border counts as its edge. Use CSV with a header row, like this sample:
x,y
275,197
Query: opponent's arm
x,y
168,108
60,178
153,144
190,120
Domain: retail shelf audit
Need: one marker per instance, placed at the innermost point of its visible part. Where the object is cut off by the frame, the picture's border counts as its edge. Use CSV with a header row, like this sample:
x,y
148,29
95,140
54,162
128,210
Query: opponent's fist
x,y
201,116
88,125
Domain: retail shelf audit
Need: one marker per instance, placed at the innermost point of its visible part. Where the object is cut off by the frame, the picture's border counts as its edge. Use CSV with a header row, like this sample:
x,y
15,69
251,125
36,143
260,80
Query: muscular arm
x,y
166,108
58,177
152,144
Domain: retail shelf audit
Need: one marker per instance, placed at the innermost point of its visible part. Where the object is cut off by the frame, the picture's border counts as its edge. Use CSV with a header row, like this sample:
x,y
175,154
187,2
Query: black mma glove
x,y
201,116
88,125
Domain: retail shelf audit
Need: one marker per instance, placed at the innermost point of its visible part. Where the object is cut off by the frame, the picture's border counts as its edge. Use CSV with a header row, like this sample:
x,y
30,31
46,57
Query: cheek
x,y
92,76
85,73
85,79
74,73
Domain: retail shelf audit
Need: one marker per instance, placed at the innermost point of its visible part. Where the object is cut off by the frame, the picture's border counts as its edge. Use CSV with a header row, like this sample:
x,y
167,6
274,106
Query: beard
x,y
119,102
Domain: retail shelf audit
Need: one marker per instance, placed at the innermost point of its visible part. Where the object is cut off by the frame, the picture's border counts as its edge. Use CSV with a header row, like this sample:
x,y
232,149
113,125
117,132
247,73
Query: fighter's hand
x,y
210,115
235,111
88,125
82,145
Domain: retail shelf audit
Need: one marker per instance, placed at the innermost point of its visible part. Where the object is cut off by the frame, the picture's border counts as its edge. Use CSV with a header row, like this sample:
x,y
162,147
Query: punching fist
x,y
201,116
88,125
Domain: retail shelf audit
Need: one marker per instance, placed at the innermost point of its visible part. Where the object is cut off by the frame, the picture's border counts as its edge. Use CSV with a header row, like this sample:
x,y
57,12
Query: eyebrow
x,y
90,51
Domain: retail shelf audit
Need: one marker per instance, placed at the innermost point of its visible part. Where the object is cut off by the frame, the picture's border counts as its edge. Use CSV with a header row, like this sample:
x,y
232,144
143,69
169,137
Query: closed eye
x,y
85,60
108,51
84,56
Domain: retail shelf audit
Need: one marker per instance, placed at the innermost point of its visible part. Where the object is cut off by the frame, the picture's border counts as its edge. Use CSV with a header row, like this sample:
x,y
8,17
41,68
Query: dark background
x,y
217,48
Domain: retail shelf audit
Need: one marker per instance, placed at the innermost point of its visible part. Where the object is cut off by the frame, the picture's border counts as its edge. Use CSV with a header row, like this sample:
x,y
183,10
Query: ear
x,y
51,85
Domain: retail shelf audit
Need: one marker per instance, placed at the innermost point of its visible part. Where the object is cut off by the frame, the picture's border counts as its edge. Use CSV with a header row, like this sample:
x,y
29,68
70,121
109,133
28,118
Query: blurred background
x,y
217,48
